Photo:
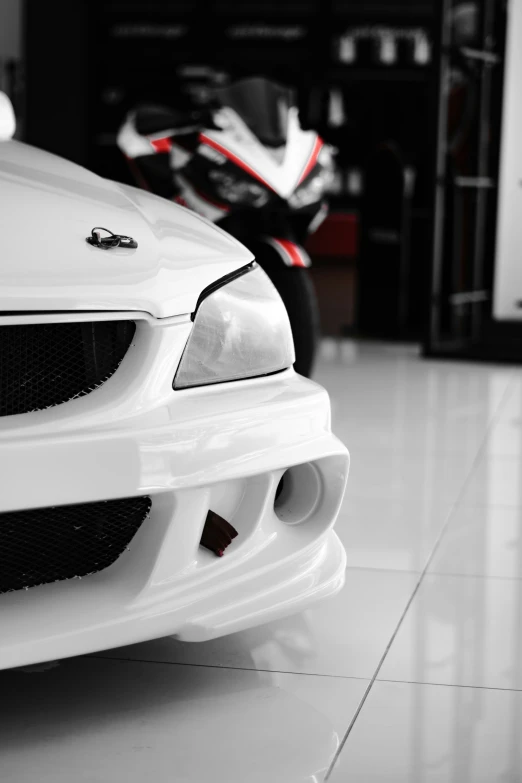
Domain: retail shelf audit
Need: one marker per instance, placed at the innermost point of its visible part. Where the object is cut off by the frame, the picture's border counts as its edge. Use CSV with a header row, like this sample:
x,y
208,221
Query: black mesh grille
x,y
51,544
46,364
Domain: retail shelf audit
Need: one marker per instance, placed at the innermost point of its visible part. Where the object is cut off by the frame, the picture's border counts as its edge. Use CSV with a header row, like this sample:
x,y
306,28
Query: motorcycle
x,y
245,163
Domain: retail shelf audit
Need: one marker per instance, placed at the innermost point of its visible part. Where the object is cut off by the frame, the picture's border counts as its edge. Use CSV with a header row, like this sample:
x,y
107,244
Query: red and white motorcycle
x,y
246,164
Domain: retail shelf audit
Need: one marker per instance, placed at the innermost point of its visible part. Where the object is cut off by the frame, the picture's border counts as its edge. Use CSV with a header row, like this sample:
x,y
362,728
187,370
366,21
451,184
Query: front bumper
x,y
223,448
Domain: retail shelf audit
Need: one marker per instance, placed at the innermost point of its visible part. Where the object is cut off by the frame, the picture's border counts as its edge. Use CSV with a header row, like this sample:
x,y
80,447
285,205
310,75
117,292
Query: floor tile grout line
x,y
478,506
458,575
372,681
451,685
491,423
423,453
465,506
227,668
385,570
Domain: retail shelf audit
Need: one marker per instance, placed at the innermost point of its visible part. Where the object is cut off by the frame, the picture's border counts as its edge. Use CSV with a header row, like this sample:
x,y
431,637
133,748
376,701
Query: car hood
x,y
48,207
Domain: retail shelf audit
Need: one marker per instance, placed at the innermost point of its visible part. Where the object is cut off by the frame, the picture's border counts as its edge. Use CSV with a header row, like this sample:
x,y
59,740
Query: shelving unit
x,y
395,107
466,164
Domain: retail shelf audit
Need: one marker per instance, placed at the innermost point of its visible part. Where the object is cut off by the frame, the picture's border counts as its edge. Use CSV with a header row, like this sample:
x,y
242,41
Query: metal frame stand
x,y
465,200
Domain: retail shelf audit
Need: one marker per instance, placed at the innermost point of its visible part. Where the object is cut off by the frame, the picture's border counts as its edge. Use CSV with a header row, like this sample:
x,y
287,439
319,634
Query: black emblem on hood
x,y
110,241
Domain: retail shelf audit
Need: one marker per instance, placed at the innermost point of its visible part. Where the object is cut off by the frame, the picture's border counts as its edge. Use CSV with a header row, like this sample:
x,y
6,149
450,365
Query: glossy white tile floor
x,y
412,674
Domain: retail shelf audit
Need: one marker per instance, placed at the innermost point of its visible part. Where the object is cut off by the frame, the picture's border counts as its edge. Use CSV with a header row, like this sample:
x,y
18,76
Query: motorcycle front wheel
x,y
298,294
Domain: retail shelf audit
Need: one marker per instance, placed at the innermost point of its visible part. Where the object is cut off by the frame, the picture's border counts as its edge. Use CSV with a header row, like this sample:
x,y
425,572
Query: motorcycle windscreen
x,y
262,105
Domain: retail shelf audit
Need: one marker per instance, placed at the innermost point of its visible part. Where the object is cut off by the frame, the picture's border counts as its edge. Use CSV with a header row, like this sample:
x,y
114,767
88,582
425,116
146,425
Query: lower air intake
x,y
56,543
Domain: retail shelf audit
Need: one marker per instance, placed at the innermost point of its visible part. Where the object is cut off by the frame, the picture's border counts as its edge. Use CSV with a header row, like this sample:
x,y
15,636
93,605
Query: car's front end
x,y
139,391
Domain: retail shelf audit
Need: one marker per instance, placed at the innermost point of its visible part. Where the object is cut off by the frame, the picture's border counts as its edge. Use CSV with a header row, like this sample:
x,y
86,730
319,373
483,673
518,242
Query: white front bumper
x,y
222,448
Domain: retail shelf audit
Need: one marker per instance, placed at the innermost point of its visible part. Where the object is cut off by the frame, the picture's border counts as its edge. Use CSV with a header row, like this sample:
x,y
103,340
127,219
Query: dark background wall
x,y
88,62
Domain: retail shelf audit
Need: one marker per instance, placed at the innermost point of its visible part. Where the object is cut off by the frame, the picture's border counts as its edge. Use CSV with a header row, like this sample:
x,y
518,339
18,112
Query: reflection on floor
x,y
413,673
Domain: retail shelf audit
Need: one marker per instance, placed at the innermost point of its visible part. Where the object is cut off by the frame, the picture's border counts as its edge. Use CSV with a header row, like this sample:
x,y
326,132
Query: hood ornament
x,y
111,241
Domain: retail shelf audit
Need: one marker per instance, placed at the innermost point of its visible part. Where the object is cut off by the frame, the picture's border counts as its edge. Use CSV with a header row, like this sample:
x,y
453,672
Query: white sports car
x,y
163,469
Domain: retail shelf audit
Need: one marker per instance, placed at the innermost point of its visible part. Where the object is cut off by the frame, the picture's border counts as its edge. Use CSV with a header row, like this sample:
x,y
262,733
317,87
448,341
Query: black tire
x,y
297,292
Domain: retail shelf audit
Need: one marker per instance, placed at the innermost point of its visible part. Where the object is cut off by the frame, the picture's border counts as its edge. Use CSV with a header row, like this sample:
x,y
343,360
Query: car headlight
x,y
238,191
241,330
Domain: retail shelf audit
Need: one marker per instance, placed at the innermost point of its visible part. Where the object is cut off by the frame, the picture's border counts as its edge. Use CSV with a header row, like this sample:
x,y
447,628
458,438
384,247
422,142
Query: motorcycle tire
x,y
298,294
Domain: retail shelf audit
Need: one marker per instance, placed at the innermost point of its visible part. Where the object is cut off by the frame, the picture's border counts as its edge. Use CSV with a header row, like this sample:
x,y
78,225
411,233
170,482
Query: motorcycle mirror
x,y
7,118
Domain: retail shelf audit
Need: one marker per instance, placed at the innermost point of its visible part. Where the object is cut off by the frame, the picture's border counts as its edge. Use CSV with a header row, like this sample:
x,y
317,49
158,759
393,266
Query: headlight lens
x,y
317,183
241,330
308,193
238,191
312,189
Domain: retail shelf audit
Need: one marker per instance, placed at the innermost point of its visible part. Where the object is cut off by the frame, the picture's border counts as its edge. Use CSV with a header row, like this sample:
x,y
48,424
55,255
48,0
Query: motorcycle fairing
x,y
237,142
290,252
200,201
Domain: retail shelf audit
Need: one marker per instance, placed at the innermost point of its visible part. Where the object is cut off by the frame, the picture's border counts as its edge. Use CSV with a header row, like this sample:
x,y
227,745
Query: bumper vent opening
x,y
298,494
42,365
52,544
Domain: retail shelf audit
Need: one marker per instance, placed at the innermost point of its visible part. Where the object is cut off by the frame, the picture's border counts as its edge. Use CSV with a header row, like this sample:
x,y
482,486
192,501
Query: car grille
x,y
51,544
42,365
